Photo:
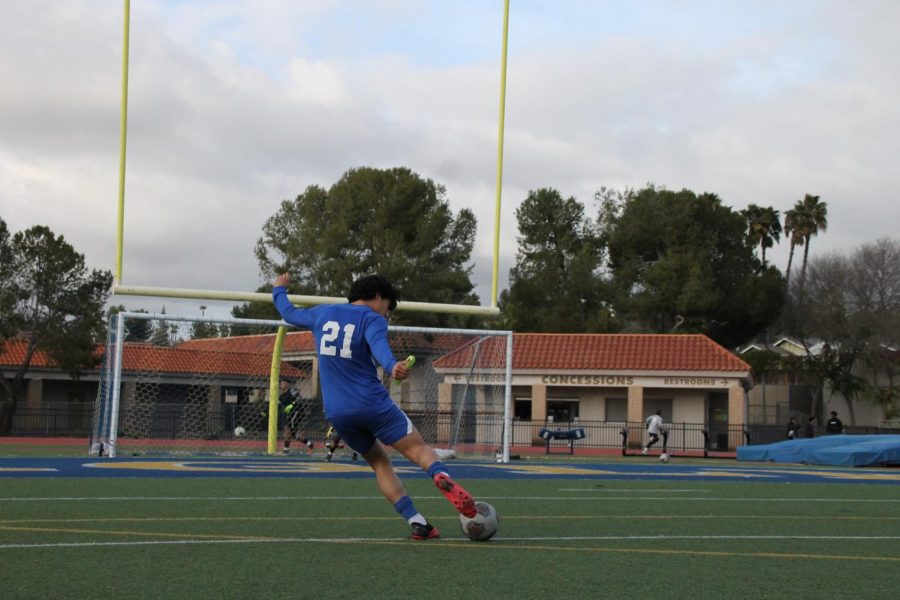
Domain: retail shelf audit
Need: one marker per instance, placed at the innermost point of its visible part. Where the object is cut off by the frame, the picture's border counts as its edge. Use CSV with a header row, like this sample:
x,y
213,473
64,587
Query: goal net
x,y
219,395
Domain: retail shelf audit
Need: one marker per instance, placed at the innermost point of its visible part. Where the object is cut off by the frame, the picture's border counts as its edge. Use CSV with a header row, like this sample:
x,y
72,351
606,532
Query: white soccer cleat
x,y
445,453
644,450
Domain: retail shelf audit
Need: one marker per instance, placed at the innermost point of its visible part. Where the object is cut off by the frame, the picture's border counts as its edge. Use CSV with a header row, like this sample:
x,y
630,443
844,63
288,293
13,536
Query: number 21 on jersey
x,y
330,332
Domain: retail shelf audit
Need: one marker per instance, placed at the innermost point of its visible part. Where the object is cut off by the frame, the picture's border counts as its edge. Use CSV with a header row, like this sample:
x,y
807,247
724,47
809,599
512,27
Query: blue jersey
x,y
349,338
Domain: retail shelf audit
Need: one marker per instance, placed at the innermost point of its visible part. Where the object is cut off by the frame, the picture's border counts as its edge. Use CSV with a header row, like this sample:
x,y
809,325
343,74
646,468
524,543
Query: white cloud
x,y
236,106
318,83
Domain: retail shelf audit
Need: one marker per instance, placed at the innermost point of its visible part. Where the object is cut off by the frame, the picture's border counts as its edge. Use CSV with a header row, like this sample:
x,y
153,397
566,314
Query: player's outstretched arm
x,y
288,312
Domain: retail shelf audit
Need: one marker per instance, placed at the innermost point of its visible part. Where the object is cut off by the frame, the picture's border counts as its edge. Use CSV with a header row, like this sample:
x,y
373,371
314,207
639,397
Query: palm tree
x,y
763,228
792,220
815,219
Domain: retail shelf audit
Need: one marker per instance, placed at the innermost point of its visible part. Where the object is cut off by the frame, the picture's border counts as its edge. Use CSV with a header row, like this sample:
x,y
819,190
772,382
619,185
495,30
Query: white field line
x,y
189,498
394,539
701,537
332,498
638,490
26,469
6,524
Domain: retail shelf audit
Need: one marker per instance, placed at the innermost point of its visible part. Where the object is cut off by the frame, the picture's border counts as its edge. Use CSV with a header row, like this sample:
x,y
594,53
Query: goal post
x,y
119,288
219,395
162,384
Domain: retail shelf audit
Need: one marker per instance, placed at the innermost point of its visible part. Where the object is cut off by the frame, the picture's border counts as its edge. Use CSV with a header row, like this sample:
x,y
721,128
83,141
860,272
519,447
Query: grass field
x,y
136,537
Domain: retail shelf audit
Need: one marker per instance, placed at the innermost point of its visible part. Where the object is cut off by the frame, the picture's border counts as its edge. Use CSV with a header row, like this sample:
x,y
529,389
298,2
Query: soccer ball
x,y
483,525
239,432
664,457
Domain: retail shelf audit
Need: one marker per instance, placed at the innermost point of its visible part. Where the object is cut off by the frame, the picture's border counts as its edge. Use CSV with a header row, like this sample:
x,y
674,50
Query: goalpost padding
x,y
189,398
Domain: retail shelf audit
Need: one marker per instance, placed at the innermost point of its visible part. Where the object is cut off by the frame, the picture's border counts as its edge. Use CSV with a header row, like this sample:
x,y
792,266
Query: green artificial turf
x,y
335,538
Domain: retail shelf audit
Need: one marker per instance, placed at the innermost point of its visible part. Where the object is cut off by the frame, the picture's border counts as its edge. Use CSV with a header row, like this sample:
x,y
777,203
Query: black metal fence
x,y
630,435
69,421
193,422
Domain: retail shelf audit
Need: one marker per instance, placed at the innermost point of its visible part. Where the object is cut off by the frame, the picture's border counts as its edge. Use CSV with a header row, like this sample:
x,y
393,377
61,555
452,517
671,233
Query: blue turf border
x,y
294,467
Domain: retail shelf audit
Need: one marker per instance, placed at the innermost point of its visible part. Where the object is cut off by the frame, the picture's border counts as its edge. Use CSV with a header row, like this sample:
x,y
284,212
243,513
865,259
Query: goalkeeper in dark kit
x,y
290,415
333,443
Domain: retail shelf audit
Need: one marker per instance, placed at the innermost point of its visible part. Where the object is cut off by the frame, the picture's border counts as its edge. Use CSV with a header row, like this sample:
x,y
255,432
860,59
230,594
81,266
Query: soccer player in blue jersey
x,y
349,339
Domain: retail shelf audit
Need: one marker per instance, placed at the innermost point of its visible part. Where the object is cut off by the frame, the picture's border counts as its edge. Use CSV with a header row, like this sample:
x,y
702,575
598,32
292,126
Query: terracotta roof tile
x,y
167,360
604,352
297,341
182,360
12,353
250,355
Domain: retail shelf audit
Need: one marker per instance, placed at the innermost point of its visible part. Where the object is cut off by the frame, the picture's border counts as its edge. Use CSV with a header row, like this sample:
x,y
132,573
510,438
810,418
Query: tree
x,y
682,259
555,285
203,329
50,300
853,305
252,310
792,220
876,290
808,217
884,363
387,221
136,330
814,219
161,335
10,319
763,228
845,382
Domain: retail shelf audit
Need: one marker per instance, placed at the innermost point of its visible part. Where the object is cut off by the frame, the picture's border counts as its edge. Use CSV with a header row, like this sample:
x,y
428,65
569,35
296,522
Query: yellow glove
x,y
410,361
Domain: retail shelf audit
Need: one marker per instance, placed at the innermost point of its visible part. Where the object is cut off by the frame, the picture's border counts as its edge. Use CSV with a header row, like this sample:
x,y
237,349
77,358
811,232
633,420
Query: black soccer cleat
x,y
424,532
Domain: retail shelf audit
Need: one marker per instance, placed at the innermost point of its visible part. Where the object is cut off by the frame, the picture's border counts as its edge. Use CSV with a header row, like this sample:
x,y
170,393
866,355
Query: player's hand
x,y
289,408
283,280
400,371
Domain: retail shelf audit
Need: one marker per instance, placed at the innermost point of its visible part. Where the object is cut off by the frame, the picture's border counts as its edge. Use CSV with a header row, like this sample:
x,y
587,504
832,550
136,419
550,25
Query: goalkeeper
x,y
333,442
290,415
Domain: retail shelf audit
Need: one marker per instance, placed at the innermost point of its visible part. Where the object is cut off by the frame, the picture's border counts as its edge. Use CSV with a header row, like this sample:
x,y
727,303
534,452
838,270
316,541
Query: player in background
x,y
834,425
349,339
290,415
793,429
654,422
333,443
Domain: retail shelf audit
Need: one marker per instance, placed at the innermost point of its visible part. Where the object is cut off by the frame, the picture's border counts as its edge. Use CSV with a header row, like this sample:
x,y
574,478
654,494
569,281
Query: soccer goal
x,y
219,395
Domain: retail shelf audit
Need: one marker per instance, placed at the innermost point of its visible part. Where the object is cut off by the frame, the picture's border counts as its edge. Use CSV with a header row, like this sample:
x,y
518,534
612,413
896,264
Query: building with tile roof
x,y
228,375
566,378
562,378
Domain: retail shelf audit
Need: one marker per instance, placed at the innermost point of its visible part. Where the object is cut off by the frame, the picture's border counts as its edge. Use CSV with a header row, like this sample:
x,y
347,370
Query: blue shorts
x,y
360,431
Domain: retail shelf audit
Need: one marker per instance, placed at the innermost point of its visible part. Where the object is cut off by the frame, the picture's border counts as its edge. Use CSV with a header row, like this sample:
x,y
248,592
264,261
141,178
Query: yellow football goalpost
x,y
135,290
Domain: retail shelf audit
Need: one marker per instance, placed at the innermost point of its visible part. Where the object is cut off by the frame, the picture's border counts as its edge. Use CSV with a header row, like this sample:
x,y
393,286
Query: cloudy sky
x,y
237,105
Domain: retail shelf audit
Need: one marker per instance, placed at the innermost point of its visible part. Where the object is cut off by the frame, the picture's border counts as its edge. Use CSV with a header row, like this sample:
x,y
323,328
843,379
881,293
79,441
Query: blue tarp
x,y
834,450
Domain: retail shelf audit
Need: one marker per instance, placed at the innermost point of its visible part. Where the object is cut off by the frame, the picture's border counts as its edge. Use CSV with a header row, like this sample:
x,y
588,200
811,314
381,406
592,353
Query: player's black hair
x,y
366,288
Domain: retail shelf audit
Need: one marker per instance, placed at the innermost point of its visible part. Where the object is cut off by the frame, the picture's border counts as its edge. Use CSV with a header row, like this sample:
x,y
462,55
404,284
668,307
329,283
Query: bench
x,y
562,434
